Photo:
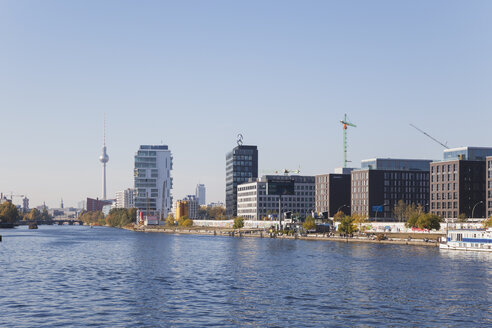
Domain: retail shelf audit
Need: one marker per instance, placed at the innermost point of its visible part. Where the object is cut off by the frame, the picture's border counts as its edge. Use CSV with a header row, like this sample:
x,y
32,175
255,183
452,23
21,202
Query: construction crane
x,y
346,123
428,135
12,196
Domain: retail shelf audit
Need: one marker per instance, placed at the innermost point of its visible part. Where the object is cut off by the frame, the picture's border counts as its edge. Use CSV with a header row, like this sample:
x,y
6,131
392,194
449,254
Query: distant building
x,y
200,194
25,204
187,207
216,204
241,166
489,186
182,209
380,183
153,182
97,204
254,203
333,193
125,198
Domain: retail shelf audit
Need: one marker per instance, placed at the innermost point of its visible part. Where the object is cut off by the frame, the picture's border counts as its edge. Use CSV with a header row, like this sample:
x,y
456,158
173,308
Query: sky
x,y
195,74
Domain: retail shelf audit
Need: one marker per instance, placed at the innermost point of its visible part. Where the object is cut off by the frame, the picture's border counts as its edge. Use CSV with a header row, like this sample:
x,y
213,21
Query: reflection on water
x,y
77,276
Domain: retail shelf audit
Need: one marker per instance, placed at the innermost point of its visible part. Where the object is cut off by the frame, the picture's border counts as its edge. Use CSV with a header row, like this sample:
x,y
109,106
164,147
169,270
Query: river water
x,y
103,277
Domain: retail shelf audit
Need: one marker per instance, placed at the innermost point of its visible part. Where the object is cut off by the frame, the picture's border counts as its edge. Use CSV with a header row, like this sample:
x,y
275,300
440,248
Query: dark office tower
x,y
241,165
333,193
489,186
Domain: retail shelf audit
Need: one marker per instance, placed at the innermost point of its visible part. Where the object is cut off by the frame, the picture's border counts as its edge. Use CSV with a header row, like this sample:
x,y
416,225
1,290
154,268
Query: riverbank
x,y
415,239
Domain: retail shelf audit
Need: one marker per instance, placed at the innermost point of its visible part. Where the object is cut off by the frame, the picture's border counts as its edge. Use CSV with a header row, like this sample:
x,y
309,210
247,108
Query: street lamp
x,y
344,205
473,210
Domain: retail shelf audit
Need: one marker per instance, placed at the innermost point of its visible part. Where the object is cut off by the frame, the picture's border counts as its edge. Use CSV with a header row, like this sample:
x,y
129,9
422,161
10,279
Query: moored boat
x,y
468,240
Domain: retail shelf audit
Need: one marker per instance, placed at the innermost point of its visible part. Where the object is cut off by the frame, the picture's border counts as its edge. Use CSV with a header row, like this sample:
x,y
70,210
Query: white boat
x,y
468,240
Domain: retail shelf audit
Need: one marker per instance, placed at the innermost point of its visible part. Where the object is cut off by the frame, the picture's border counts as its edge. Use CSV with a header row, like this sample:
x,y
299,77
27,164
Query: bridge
x,y
53,222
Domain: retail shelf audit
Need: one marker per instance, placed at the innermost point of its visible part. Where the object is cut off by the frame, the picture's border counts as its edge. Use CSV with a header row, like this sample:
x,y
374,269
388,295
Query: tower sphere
x,y
104,158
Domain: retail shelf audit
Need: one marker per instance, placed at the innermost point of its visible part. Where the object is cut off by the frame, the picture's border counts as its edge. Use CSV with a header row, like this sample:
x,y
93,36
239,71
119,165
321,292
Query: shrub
x,y
238,223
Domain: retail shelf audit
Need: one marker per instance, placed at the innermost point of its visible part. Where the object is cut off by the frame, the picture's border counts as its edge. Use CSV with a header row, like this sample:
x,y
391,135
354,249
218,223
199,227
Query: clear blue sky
x,y
194,74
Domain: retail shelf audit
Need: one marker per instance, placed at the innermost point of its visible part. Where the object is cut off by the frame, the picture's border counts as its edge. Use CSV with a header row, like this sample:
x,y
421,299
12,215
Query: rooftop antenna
x,y
346,123
445,145
239,139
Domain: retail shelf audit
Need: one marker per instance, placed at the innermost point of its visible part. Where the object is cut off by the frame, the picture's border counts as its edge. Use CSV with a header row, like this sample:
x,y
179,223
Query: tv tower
x,y
104,158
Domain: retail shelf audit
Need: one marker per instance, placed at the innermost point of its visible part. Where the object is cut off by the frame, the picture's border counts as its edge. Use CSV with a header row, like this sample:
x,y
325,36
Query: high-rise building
x,y
153,182
125,198
459,183
378,186
333,193
200,194
25,204
182,209
489,186
241,166
104,158
458,187
256,199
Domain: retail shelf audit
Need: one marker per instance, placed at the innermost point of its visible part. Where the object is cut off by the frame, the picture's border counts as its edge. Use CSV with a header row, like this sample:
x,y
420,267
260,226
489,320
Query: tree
x,y
8,213
462,217
400,210
487,223
359,220
347,225
44,215
182,220
170,220
338,216
34,215
238,223
187,223
309,223
425,221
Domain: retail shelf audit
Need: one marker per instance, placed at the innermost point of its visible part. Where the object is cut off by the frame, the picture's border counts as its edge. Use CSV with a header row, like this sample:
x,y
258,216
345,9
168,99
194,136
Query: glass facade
x,y
241,166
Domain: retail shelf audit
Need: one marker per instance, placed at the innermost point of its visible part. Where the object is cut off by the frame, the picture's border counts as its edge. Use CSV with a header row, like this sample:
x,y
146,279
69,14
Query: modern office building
x,y
241,166
257,200
378,186
153,182
333,193
467,153
489,186
125,198
458,187
200,194
459,182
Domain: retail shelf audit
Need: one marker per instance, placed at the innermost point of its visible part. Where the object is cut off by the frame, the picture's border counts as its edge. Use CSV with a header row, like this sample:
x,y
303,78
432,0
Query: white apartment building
x,y
153,182
254,203
125,198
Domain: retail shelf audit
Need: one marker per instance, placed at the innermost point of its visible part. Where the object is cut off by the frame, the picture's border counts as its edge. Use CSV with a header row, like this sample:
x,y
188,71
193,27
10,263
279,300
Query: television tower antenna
x,y
104,158
346,123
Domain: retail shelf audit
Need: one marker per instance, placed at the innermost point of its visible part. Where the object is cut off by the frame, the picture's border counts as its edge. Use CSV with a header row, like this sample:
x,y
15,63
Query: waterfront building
x,y
188,206
93,205
333,193
200,194
181,209
458,187
153,182
489,186
380,183
125,198
467,153
254,202
241,166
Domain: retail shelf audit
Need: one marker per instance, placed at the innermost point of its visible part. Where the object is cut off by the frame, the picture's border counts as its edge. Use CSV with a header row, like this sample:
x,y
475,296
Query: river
x,y
59,276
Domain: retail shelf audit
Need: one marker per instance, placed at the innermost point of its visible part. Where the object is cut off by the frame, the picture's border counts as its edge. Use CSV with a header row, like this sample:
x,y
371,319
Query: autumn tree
x,y
309,223
8,213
